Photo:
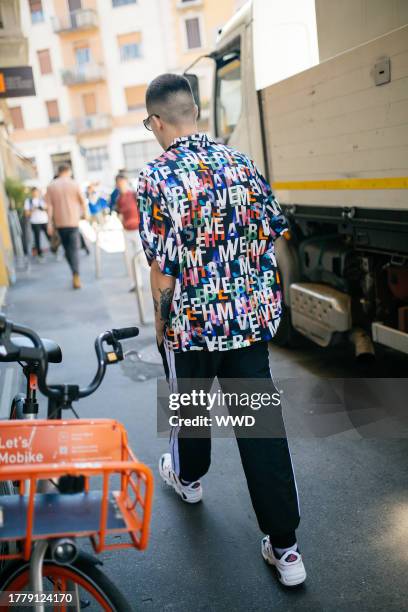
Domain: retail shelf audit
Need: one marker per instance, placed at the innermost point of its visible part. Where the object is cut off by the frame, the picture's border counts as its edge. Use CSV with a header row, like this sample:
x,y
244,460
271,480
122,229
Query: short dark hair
x,y
120,175
166,85
63,168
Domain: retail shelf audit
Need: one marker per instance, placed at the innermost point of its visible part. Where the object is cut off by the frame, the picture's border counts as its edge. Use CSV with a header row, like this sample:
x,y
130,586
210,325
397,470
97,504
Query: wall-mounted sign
x,y
16,82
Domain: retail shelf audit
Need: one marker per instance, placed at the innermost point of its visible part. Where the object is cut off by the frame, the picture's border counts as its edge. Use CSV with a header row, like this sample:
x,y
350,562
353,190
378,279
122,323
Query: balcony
x,y
85,73
90,123
181,4
82,19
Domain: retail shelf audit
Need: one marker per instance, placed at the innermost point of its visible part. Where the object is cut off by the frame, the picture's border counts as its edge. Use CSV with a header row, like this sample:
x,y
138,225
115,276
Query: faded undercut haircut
x,y
170,97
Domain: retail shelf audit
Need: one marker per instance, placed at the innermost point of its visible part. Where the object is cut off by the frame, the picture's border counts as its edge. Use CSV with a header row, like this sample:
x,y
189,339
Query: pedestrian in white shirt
x,y
35,210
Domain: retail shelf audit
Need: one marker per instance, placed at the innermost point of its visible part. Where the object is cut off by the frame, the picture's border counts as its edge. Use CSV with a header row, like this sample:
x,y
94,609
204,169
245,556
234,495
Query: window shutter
x,y
193,33
44,59
135,96
89,102
35,6
17,117
53,111
132,38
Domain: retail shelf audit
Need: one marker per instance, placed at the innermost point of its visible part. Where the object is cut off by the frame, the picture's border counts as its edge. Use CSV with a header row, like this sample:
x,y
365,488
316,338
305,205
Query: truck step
x,y
388,336
318,311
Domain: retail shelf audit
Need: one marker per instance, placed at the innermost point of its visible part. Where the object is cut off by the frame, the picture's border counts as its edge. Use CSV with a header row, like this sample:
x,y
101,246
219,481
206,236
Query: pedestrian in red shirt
x,y
126,206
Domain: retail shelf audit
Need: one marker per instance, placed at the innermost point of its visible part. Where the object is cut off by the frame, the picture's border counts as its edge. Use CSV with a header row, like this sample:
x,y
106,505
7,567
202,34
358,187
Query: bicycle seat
x,y
52,349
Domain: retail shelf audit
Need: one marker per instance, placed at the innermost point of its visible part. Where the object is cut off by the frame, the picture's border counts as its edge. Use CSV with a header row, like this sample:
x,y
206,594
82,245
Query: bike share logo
x,y
16,450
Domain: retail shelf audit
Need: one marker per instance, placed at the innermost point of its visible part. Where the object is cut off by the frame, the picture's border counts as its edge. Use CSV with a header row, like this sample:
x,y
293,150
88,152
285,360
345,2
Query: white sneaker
x,y
290,568
191,493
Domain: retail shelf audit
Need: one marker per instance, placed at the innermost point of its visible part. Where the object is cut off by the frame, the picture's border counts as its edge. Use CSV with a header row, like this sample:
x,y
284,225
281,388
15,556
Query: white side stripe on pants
x,y
174,450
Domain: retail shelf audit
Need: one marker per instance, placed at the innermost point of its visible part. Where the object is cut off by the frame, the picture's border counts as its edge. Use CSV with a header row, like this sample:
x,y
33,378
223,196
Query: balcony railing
x,y
82,19
188,3
90,123
85,73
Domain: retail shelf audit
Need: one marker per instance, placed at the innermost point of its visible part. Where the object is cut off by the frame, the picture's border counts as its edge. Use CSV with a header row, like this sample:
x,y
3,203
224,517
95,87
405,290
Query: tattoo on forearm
x,y
166,297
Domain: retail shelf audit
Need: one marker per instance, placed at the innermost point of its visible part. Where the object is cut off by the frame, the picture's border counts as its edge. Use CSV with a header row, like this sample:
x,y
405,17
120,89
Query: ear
x,y
158,123
195,112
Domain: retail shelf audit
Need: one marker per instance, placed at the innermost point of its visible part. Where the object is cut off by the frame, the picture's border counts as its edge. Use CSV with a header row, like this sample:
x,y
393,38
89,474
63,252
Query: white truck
x,y
332,139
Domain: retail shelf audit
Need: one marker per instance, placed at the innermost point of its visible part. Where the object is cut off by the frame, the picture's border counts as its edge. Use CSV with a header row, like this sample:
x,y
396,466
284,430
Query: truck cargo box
x,y
337,133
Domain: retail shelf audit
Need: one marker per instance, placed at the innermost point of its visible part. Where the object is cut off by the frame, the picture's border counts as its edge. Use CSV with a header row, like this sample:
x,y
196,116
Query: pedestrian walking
x,y
97,205
116,191
66,205
35,210
126,207
208,225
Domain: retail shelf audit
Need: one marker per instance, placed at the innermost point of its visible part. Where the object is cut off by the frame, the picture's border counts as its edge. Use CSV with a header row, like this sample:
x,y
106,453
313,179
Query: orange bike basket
x,y
31,451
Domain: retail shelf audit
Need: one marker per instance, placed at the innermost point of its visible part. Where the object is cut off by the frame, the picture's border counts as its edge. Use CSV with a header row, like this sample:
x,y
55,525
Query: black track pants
x,y
266,461
70,241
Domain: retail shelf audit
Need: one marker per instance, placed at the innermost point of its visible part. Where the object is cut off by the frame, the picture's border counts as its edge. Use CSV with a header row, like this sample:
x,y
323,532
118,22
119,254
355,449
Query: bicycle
x,y
46,468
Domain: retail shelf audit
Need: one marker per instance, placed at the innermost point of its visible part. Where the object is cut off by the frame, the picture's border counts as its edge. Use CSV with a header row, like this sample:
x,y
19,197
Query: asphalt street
x,y
353,488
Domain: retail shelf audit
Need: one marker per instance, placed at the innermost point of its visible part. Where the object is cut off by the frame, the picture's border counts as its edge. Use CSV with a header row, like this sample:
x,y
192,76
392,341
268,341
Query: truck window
x,y
228,96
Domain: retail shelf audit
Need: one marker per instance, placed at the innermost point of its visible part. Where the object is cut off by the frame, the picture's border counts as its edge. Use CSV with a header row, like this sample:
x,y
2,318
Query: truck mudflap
x,y
318,311
388,336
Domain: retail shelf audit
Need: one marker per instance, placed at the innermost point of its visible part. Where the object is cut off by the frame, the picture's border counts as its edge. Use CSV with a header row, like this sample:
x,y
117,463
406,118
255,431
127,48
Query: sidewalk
x,y
207,557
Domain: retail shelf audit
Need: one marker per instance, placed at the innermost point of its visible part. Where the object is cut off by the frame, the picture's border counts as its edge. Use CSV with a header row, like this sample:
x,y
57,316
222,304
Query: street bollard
x,y
97,254
137,281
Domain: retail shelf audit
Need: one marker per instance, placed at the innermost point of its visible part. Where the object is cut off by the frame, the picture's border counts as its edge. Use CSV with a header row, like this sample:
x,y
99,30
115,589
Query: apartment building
x,y
13,53
92,61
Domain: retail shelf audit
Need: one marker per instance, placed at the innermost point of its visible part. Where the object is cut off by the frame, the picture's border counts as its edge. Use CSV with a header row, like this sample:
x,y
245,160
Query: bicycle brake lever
x,y
116,354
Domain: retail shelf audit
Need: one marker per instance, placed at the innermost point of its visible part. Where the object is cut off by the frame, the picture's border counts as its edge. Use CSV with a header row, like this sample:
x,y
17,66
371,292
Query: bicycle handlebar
x,y
124,333
38,354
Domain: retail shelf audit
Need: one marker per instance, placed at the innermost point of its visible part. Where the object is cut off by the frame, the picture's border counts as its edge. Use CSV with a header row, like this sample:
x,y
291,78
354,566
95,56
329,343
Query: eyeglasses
x,y
146,122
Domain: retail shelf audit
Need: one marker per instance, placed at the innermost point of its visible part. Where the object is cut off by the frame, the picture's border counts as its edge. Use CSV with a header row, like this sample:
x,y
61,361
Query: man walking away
x,y
126,206
66,205
208,225
35,210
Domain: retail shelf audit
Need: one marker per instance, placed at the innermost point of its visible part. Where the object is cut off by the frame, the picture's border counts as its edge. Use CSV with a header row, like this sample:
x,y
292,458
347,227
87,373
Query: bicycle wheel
x,y
96,592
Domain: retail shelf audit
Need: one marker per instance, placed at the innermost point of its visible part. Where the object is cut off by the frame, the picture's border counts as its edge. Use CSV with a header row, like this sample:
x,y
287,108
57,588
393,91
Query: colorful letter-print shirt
x,y
209,219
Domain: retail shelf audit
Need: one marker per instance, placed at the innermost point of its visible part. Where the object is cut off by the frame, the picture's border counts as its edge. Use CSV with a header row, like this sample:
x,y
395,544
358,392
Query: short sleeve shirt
x,y
209,218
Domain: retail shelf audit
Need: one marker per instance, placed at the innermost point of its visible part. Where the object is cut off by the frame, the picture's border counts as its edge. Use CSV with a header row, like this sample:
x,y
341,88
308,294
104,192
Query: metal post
x,y
97,254
138,286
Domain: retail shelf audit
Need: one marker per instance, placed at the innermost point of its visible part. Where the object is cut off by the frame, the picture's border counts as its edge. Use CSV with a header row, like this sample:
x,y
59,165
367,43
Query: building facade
x,y
92,61
13,165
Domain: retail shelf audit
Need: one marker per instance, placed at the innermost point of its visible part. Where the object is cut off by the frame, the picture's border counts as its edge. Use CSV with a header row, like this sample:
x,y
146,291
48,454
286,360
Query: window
x,y
44,59
53,111
17,118
122,2
228,96
96,158
130,46
37,15
193,33
60,158
82,55
137,154
89,103
27,169
135,97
